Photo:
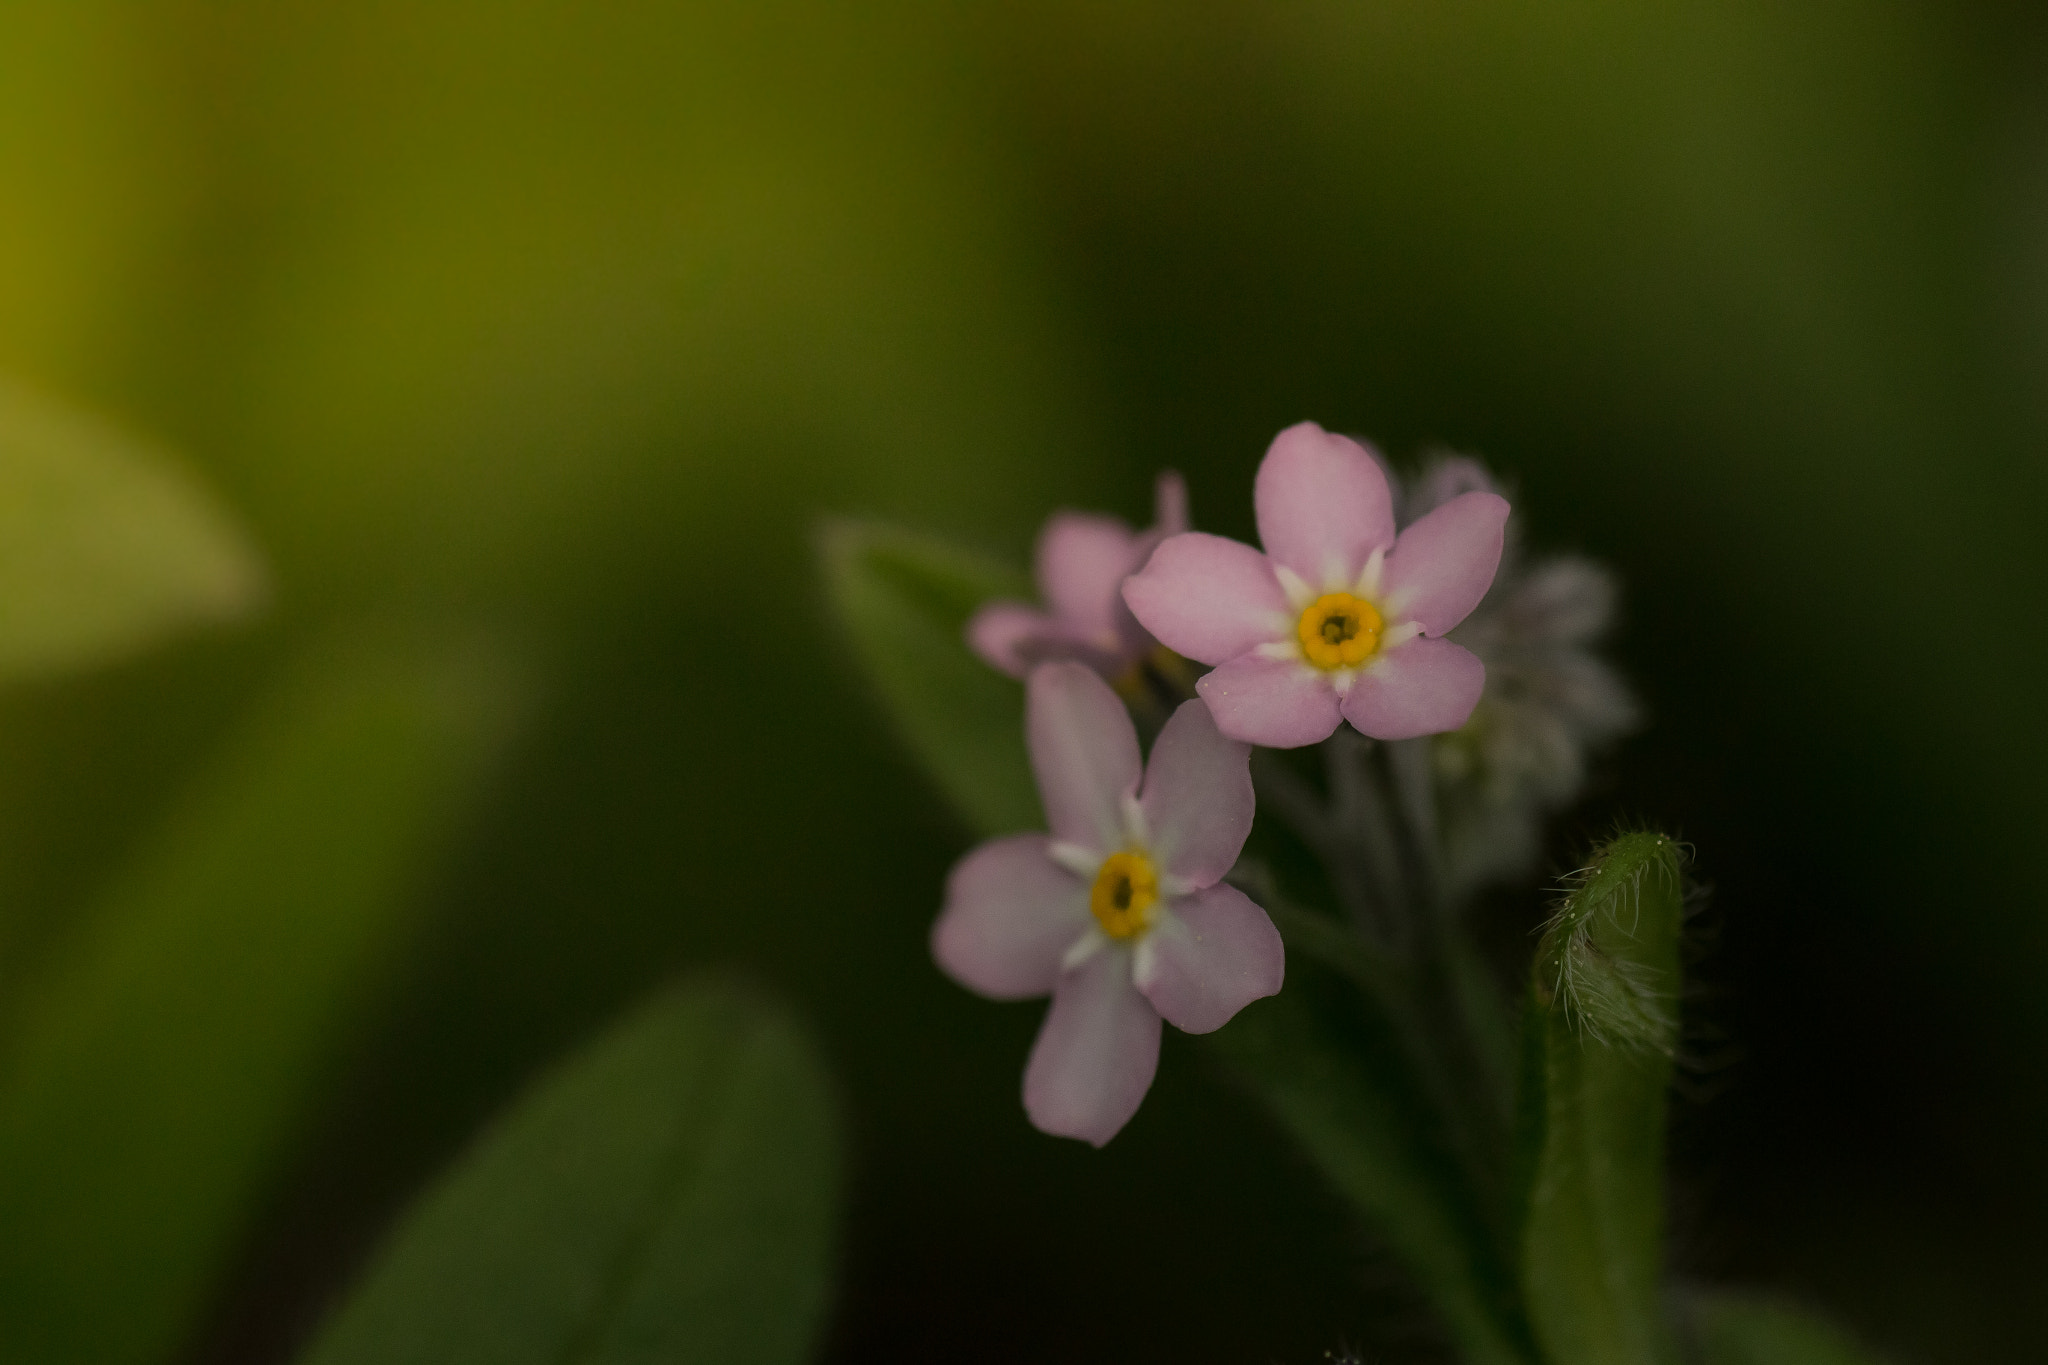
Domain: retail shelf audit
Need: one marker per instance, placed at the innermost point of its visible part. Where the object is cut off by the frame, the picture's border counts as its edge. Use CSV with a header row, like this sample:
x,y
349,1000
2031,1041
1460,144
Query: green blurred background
x,y
557,326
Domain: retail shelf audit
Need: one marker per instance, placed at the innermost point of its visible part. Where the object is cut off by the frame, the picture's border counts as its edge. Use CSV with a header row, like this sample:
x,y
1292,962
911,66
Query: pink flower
x,y
1120,914
1082,561
1339,619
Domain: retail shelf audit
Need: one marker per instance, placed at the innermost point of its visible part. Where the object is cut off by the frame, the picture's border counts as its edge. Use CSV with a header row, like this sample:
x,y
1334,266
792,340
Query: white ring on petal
x,y
1144,962
1082,862
1085,947
1299,593
1400,634
1368,584
1136,833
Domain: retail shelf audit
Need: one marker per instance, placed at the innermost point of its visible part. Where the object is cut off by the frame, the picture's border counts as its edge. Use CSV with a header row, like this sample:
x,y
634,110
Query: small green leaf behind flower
x,y
668,1194
105,544
1599,1036
902,600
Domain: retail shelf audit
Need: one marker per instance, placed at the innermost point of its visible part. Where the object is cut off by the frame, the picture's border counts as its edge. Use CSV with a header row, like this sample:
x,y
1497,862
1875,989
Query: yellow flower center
x,y
1340,631
1125,891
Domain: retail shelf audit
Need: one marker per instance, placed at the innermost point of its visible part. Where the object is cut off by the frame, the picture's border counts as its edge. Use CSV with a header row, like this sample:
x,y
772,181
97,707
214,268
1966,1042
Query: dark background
x,y
563,323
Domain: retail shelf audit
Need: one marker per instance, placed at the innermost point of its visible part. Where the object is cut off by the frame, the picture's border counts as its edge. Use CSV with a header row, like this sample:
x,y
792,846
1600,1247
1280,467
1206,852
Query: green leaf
x,y
903,601
105,545
1734,1328
1334,1071
1599,1035
668,1195
153,1074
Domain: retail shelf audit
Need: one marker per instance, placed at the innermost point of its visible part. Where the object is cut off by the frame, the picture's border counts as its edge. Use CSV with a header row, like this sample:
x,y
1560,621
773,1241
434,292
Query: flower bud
x,y
1610,952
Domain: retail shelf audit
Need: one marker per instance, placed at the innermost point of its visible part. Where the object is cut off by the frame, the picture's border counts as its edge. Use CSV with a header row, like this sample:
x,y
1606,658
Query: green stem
x,y
1376,838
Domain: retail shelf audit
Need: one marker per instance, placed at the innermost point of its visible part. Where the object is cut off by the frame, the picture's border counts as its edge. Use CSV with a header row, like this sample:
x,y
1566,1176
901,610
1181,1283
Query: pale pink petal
x,y
1084,750
1443,563
1420,687
1209,598
1323,505
1095,1054
1016,639
1011,915
1082,561
1210,956
1008,636
1169,518
1278,703
1198,797
1169,504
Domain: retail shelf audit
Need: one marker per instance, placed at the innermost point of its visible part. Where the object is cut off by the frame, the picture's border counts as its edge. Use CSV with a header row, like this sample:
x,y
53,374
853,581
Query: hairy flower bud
x,y
1610,952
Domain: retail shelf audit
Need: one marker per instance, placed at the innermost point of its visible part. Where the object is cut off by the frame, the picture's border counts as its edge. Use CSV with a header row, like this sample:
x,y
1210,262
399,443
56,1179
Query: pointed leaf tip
x,y
667,1194
106,545
902,601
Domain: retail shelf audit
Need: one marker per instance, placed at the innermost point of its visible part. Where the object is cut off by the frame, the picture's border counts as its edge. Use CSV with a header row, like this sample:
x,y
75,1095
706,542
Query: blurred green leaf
x,y
104,544
1332,1068
903,600
153,1074
1757,1329
1600,1030
667,1195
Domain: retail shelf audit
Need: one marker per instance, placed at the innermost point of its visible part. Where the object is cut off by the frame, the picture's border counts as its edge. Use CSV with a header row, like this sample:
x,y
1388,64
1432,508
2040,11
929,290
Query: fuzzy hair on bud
x,y
1609,952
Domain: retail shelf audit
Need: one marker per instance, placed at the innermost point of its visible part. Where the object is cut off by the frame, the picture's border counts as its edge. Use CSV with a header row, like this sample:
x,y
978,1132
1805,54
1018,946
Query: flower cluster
x,y
1550,700
1121,912
1082,561
1340,619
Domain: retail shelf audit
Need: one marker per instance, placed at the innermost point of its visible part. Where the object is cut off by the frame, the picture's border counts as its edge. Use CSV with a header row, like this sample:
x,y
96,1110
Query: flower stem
x,y
1375,835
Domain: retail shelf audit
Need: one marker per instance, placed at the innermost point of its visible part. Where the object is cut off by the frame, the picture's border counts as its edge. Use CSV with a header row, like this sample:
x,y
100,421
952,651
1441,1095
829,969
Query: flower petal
x,y
1420,687
1009,636
1198,797
1084,750
1011,915
1211,955
1015,639
1323,505
1561,602
1443,563
1082,560
1209,598
1279,703
1095,1054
